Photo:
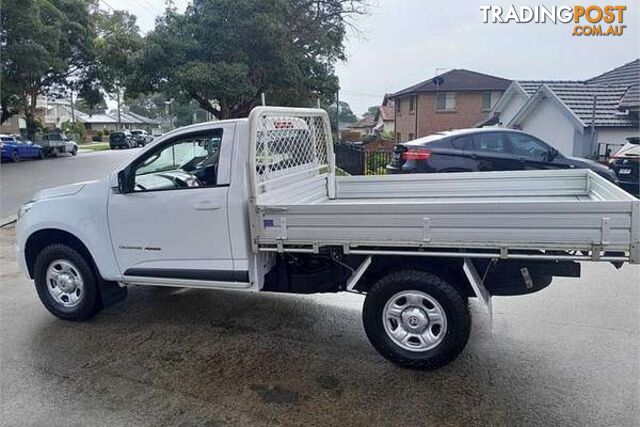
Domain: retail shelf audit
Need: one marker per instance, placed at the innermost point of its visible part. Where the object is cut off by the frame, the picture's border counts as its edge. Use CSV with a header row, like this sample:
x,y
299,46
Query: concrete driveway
x,y
569,355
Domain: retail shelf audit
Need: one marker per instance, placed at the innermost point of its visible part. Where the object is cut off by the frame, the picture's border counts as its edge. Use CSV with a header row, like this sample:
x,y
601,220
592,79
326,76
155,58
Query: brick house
x,y
454,100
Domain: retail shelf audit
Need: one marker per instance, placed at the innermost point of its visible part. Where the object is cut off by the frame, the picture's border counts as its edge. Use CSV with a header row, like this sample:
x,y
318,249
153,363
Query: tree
x,y
346,115
49,47
75,128
224,53
371,111
46,47
91,107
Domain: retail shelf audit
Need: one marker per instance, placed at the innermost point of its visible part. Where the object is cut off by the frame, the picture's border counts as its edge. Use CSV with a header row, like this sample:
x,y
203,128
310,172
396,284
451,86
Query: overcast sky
x,y
402,42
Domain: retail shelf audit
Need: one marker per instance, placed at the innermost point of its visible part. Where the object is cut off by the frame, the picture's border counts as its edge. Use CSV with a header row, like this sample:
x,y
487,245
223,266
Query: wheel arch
x,y
40,239
449,269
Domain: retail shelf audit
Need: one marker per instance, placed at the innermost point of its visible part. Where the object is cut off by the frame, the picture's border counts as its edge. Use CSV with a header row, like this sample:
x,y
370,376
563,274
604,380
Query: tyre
x,y
74,151
66,283
15,156
41,155
416,319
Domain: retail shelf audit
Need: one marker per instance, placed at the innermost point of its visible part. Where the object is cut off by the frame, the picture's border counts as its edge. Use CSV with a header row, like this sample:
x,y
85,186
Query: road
x,y
18,181
569,355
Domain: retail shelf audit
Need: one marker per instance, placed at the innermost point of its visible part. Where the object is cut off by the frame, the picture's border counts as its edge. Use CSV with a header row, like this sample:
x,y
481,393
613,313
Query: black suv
x,y
481,150
121,139
626,165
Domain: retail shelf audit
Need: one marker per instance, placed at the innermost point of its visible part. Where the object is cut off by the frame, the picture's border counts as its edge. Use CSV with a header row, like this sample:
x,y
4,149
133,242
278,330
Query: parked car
x,y
626,164
55,143
121,139
141,137
15,149
483,150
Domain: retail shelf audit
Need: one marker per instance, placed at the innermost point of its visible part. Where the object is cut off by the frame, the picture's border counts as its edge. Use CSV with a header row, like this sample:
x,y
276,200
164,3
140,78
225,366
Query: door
x,y
532,153
491,152
171,219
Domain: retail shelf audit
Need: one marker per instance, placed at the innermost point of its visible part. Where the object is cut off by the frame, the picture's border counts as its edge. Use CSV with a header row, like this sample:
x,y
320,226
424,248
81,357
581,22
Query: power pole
x,y
338,115
119,118
73,110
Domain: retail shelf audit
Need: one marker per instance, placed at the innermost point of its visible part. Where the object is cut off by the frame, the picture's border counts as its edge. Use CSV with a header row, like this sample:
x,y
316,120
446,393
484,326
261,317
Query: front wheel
x,y
15,157
66,283
74,151
416,319
41,155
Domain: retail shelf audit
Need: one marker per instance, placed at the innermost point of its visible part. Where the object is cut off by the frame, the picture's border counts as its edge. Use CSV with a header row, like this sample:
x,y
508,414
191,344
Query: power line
x,y
108,5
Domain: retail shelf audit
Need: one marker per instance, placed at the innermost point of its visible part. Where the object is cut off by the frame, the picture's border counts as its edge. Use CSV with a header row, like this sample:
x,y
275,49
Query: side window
x,y
463,143
492,142
188,162
524,145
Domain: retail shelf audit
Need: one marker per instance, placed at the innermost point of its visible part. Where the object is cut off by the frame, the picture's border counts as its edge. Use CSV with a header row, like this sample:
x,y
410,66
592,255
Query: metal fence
x,y
355,159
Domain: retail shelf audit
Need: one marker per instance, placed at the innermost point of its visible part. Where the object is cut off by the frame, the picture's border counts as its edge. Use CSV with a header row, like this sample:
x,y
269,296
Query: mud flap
x,y
111,293
478,288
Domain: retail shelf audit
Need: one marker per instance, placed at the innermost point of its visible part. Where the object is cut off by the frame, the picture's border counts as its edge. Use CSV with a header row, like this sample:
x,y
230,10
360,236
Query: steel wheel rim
x,y
414,321
65,283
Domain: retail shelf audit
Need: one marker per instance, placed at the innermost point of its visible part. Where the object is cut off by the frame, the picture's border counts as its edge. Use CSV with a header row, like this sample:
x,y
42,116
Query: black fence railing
x,y
355,159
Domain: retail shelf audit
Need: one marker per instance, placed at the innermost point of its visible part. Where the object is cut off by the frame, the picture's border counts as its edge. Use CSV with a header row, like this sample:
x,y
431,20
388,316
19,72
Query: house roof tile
x,y
387,112
458,80
631,98
579,97
625,75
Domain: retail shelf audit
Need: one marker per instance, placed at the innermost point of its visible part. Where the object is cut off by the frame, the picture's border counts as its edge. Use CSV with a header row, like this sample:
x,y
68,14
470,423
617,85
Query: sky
x,y
402,42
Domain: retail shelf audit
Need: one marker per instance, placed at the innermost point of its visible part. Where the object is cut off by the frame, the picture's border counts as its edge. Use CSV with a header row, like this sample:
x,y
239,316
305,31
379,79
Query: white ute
x,y
255,204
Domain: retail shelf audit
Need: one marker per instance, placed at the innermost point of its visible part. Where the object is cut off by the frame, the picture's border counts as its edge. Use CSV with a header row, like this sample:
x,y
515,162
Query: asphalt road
x,y
18,181
569,355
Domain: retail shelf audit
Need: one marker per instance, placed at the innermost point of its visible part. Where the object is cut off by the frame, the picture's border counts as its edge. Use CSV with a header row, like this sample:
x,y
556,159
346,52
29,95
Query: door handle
x,y
206,206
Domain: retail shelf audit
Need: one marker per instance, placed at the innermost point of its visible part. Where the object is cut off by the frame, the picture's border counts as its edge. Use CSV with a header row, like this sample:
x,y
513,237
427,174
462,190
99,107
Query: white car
x,y
255,205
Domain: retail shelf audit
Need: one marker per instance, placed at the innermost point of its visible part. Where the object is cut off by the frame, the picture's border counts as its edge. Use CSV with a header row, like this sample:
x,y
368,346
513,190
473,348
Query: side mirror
x,y
123,181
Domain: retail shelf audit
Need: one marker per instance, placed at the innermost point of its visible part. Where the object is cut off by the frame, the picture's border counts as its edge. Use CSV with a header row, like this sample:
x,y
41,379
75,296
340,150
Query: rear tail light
x,y
416,155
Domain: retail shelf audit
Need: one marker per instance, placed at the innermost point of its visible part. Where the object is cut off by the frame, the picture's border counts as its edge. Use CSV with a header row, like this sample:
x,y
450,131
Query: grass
x,y
95,146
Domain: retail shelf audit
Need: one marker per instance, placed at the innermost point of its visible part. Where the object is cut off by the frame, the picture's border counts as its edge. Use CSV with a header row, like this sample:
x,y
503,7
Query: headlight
x,y
25,208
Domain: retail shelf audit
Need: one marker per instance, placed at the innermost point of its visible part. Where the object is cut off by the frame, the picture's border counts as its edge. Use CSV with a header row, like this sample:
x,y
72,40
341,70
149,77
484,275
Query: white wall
x,y
511,108
616,135
550,124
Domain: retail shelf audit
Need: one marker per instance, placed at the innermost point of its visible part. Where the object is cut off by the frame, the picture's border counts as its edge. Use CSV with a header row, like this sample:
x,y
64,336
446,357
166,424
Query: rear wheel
x,y
66,283
74,151
15,156
416,319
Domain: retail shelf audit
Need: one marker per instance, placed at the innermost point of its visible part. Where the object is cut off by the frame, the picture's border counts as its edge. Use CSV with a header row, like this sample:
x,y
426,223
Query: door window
x,y
188,162
492,142
463,143
526,146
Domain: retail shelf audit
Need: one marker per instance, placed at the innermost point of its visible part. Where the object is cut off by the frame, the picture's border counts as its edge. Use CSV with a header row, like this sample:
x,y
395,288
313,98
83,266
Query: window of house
x,y
188,162
411,136
446,101
487,101
398,101
412,106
